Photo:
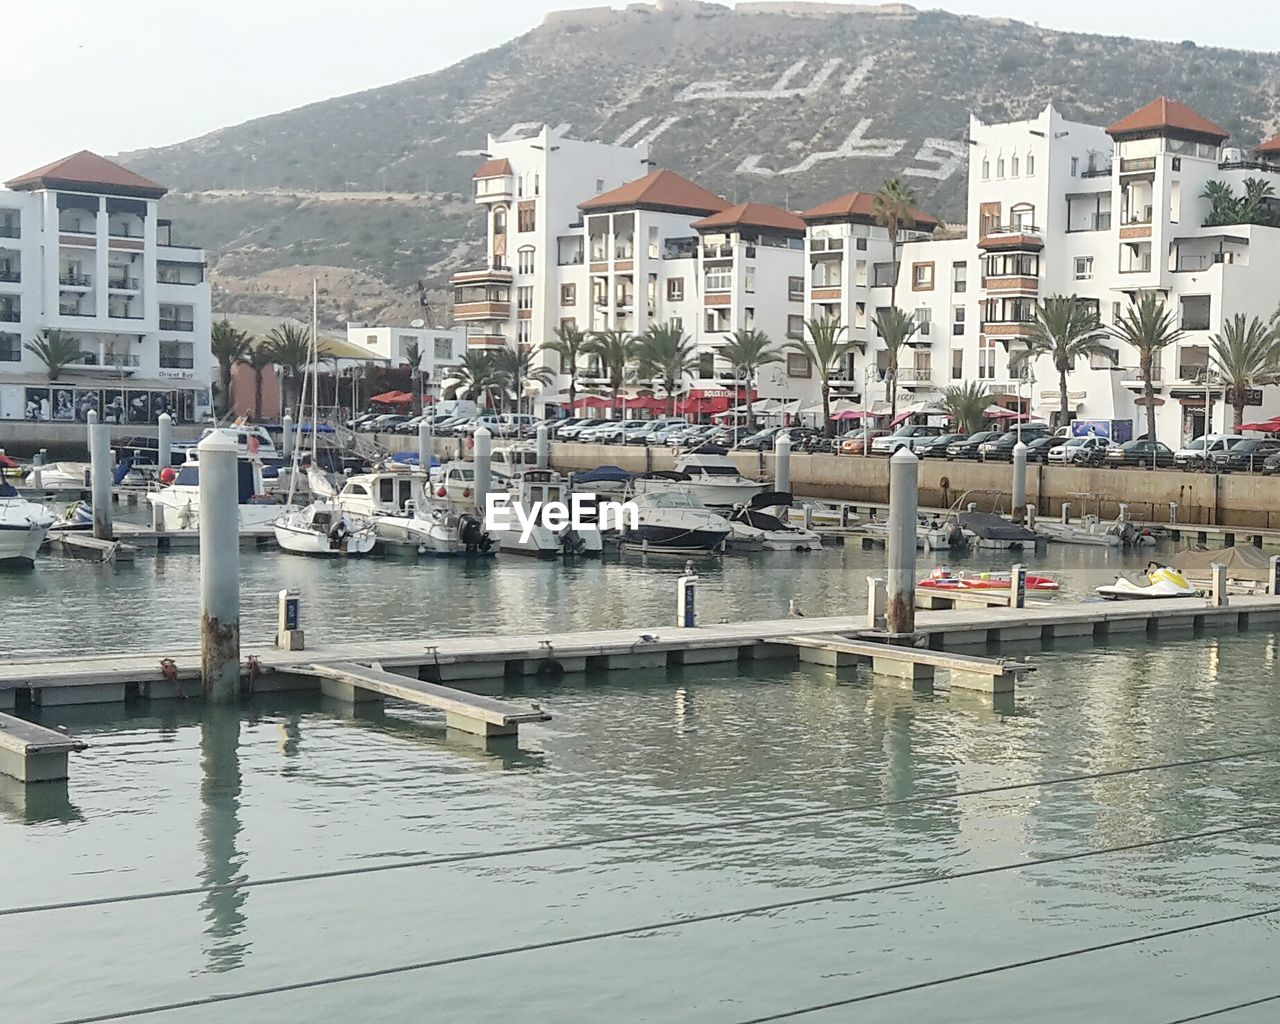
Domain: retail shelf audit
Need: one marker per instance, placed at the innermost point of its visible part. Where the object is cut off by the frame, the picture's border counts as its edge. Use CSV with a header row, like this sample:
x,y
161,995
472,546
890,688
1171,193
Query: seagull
x,y
793,609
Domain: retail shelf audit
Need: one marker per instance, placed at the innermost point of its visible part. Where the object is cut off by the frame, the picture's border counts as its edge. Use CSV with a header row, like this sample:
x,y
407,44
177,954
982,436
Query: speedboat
x,y
508,461
1161,581
942,578
714,479
179,502
933,533
1090,530
322,529
759,526
531,492
675,521
398,505
23,526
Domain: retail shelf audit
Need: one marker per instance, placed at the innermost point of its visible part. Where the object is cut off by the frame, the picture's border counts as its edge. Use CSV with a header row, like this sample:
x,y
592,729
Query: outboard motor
x,y
472,534
572,543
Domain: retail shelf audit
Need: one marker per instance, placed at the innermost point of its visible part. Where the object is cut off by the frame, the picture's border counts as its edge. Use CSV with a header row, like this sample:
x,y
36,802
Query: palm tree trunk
x,y
893,385
893,282
826,407
257,394
1237,411
1063,410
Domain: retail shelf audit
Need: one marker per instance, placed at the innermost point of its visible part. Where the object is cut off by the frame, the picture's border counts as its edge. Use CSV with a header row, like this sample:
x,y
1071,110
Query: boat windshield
x,y
672,499
714,470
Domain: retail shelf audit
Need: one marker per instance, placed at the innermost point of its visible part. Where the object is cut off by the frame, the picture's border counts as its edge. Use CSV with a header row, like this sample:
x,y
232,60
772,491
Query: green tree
x,y
894,209
825,345
616,351
667,353
896,328
1224,206
1255,205
1149,327
1245,355
414,355
966,404
258,357
514,369
56,349
290,346
227,346
475,376
1066,331
570,344
748,352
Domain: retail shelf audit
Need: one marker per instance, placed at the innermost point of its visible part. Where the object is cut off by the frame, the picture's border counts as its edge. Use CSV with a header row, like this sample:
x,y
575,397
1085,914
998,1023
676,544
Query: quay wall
x,y
69,441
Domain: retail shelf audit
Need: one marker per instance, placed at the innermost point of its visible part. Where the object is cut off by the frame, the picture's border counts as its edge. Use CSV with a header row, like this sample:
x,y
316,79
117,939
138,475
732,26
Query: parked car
x,y
1074,448
906,436
663,434
491,421
653,430
1038,450
686,437
1271,465
936,447
1001,449
855,442
1196,454
385,423
1247,456
617,431
593,433
760,440
512,424
555,426
1139,453
575,430
969,447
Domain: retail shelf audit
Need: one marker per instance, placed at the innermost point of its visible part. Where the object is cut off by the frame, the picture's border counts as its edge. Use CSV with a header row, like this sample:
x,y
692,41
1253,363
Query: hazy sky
x,y
89,74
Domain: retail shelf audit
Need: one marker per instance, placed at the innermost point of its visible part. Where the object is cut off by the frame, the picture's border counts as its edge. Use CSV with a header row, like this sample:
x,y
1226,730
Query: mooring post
x,y
37,470
1018,586
782,464
164,441
1173,513
1032,512
219,570
483,475
877,602
1273,575
424,445
1218,585
904,485
289,635
1066,512
286,437
687,599
543,446
100,475
1019,496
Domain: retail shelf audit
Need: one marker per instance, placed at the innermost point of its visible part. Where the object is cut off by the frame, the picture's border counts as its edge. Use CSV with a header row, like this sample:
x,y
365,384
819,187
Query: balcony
x,y
680,249
825,245
571,259
498,273
71,309
723,251
1011,236
915,375
121,360
485,309
177,363
1137,217
165,325
123,284
1136,380
1093,171
71,279
1092,222
486,341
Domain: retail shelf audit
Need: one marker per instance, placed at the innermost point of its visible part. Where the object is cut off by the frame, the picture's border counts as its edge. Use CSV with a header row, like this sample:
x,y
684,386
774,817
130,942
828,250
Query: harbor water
x,y
865,776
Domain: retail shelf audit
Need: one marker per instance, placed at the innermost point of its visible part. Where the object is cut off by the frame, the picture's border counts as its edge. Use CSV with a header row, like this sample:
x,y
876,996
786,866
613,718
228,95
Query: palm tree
x,y
824,346
570,344
474,376
227,345
56,349
1255,205
1224,206
290,346
514,368
616,350
1066,330
1149,327
747,353
668,353
967,405
896,327
414,355
258,357
894,208
1244,354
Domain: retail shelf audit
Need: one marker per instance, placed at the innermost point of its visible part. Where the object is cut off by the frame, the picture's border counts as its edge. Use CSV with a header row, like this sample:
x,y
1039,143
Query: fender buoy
x,y
466,492
168,475
441,493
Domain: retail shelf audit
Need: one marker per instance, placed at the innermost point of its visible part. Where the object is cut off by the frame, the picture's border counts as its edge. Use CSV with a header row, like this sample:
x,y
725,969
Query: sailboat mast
x,y
315,369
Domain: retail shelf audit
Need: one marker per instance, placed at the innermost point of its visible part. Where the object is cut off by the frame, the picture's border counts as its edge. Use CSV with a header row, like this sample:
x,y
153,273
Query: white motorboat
x,y
399,506
457,483
508,461
23,526
1089,530
62,476
714,480
760,526
675,521
322,529
1161,581
932,532
530,491
179,502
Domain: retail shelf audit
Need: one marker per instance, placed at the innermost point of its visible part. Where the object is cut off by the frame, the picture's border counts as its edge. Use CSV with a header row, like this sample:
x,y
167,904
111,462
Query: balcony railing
x,y
1138,266
1141,216
74,280
123,283
1094,222
796,295
1144,163
717,252
170,325
72,311
76,229
1096,172
680,250
177,362
10,316
1192,371
914,374
173,277
118,233
572,259
121,360
624,252
1195,323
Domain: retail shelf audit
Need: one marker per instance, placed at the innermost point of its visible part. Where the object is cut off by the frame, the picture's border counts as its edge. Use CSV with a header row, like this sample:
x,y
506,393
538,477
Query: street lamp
x,y
868,372
1027,373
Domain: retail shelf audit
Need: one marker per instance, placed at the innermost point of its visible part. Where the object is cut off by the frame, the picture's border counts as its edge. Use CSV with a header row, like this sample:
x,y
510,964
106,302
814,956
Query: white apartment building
x,y
439,348
1060,207
84,251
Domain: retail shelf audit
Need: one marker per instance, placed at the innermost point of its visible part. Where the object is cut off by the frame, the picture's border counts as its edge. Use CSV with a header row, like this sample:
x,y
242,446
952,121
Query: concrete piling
x,y
424,444
100,476
164,441
543,447
1019,494
782,464
286,441
484,478
904,487
219,570
37,470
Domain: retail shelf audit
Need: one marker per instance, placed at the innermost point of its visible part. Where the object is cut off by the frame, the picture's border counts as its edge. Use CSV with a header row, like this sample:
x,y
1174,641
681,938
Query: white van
x,y
456,407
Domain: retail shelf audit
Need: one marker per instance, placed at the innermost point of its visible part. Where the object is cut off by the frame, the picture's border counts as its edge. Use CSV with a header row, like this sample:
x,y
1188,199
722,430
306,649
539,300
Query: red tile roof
x,y
658,190
1165,113
861,206
496,168
1271,146
88,172
753,215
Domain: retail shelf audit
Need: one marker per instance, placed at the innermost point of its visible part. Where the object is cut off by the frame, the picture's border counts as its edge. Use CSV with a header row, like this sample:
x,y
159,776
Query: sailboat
x,y
321,529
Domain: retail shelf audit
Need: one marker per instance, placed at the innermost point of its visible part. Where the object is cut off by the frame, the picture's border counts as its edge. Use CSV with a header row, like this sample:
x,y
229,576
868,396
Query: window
x,y
719,279
795,289
1115,312
1023,215
986,169
526,217
999,167
706,365
599,185
988,218
1075,166
677,323
1084,268
1031,165
924,321
371,339
959,277
1013,166
524,260
957,321
653,243
675,289
986,358
499,220
177,355
537,191
1175,201
749,317
922,277
795,327
442,346
568,294
957,364
749,279
524,297
798,365
860,243
522,332
10,348
859,316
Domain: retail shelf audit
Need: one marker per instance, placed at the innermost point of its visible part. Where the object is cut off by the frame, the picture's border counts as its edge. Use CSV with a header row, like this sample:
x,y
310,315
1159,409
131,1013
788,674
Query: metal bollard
x,y
164,441
1018,586
1066,512
289,635
37,470
1018,493
686,599
1032,512
1173,512
782,464
904,492
483,478
286,439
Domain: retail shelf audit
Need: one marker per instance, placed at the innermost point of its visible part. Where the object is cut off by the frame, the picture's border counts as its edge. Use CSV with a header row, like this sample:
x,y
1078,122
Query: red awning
x,y
648,402
704,406
1266,426
591,402
393,398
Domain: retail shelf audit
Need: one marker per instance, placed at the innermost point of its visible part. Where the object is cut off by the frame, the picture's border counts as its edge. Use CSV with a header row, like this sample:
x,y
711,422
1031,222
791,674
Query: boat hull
x,y
301,541
20,542
675,539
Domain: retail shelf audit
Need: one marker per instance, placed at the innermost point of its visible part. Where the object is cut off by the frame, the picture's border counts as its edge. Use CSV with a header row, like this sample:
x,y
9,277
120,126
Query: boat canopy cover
x,y
7,490
1243,563
772,499
990,526
411,458
603,474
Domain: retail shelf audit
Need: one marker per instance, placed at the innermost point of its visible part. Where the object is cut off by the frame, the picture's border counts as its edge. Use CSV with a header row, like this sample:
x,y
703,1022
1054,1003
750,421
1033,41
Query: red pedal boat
x,y
942,578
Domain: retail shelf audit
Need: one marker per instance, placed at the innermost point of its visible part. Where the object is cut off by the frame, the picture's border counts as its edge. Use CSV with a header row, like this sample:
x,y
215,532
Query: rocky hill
x,y
787,102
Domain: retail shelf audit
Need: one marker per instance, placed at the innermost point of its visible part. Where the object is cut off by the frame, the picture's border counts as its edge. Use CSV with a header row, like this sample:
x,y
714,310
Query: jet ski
x,y
1162,581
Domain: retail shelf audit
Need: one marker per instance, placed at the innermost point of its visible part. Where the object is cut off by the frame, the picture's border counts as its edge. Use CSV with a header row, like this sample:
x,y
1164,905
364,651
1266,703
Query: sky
x,y
88,74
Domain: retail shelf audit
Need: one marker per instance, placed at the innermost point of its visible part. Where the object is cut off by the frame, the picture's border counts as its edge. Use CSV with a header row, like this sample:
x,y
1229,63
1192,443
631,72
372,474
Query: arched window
x,y
1013,166
986,169
1022,215
1000,166
499,220
1031,165
524,259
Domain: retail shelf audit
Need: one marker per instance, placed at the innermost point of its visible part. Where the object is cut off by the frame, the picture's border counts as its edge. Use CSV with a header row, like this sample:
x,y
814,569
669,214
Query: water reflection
x,y
219,830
